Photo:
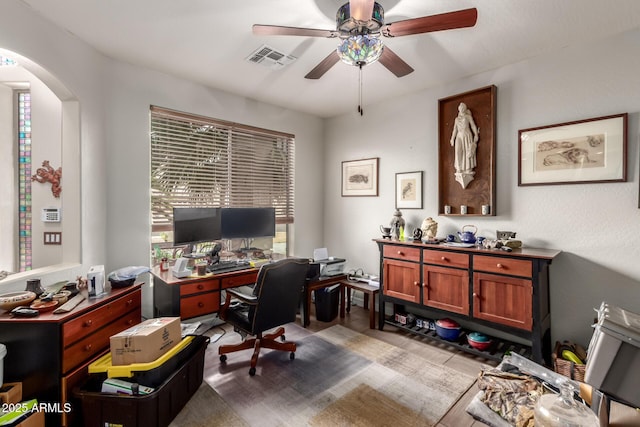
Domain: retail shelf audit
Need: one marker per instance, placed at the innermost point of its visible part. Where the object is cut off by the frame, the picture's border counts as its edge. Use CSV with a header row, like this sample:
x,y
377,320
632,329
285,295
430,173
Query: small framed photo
x,y
360,177
409,190
585,151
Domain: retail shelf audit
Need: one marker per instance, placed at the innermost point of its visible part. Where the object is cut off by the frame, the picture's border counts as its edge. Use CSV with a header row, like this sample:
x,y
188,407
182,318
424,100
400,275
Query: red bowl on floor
x,y
479,341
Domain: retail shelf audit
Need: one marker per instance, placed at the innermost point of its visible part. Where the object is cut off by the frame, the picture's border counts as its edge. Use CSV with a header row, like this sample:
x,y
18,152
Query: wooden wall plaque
x,y
480,185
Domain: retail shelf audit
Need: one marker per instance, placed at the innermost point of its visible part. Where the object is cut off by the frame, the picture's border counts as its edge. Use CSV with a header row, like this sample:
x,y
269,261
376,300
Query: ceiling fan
x,y
359,25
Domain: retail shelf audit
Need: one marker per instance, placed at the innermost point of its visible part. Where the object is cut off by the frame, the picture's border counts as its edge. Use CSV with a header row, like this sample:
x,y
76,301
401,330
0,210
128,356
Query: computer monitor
x,y
248,223
196,225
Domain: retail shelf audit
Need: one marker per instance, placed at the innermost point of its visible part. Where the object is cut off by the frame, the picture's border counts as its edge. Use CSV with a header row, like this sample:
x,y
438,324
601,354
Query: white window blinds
x,y
200,161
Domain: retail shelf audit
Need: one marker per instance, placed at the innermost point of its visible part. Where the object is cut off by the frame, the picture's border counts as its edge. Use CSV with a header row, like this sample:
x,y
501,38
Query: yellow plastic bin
x,y
156,409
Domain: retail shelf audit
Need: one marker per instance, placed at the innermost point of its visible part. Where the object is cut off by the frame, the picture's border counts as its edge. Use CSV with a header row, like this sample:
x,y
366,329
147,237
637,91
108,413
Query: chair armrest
x,y
247,299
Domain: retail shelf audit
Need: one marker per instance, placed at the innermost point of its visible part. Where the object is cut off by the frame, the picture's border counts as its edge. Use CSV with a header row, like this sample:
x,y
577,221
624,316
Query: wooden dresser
x,y
50,353
497,290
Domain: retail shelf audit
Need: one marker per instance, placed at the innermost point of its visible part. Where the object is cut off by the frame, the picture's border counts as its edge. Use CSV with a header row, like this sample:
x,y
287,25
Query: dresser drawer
x,y
511,266
201,286
401,252
199,305
88,323
444,258
240,280
98,341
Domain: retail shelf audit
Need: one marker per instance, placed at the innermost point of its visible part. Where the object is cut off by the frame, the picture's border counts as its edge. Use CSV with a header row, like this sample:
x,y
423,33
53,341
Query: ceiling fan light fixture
x,y
360,49
349,21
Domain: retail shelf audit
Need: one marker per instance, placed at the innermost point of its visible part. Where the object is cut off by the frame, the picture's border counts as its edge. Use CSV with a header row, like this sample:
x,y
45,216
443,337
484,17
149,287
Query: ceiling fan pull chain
x,y
360,110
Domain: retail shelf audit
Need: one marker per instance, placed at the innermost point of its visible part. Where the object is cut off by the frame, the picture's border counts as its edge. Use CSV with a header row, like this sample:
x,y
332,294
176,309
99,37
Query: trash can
x,y
327,300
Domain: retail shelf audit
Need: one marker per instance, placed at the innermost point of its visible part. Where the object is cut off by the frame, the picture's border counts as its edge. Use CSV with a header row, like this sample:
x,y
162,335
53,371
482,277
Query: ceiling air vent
x,y
270,57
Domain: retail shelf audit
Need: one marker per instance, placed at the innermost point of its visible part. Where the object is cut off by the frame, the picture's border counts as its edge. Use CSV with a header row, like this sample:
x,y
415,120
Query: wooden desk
x,y
320,283
369,291
194,296
50,354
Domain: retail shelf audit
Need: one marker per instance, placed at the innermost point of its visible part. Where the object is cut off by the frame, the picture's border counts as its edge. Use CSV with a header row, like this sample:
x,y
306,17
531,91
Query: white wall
x,y
597,226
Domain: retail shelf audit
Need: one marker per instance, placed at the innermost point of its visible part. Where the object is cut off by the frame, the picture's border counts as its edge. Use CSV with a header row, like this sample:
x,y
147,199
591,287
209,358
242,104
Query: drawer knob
x,y
87,347
400,253
499,265
130,322
424,285
416,283
444,258
475,295
88,323
200,286
200,304
129,302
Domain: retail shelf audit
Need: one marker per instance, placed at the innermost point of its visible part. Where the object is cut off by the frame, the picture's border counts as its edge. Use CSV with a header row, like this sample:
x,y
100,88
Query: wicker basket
x,y
566,367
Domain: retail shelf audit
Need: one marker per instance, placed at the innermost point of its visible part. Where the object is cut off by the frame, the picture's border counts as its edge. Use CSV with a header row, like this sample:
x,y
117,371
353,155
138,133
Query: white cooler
x,y
613,364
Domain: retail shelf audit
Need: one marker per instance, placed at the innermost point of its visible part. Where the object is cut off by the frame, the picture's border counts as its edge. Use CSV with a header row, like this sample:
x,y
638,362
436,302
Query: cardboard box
x,y
36,419
11,393
146,341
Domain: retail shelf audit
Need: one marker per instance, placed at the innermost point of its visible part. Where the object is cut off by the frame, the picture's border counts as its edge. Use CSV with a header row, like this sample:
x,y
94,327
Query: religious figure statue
x,y
464,140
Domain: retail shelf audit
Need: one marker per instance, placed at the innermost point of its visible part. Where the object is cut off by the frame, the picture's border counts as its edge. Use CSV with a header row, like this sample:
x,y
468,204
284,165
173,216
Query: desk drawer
x,y
88,323
500,265
199,286
240,280
444,258
98,341
199,305
401,252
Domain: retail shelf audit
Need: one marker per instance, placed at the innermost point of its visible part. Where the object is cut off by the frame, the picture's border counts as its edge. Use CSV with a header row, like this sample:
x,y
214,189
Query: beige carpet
x,y
338,378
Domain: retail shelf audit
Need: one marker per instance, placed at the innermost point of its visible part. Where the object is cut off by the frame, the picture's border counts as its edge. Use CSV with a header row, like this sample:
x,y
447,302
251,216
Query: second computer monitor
x,y
248,223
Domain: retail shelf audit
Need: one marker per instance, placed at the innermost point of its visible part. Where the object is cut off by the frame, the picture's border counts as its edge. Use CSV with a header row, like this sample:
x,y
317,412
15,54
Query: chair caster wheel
x,y
292,355
223,358
252,371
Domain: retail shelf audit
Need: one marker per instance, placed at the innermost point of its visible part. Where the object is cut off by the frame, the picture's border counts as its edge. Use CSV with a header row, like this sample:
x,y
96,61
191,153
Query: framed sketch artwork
x,y
409,190
360,177
585,151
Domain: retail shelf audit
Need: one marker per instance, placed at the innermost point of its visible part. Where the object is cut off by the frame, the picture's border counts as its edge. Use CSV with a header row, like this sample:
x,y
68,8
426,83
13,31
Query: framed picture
x,y
360,177
584,151
409,190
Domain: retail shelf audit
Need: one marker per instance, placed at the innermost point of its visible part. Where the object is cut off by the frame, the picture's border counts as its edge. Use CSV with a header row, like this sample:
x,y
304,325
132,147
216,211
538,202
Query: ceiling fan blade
x,y
426,24
275,30
361,10
394,63
323,66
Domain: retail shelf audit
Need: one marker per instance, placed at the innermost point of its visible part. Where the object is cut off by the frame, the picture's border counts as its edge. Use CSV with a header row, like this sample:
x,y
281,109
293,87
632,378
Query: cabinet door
x,y
504,300
402,280
446,289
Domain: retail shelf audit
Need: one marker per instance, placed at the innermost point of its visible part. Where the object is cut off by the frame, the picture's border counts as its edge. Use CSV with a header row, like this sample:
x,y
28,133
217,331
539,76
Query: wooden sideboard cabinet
x,y
194,296
497,290
50,353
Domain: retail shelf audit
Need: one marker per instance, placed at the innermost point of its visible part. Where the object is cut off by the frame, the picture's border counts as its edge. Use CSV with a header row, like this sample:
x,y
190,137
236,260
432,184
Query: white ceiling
x,y
207,41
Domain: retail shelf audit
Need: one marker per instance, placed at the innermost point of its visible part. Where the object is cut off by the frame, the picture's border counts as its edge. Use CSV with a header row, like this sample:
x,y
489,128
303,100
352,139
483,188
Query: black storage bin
x,y
156,409
327,300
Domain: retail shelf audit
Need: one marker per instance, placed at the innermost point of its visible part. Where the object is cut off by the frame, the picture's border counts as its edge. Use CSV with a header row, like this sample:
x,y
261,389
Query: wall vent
x,y
270,57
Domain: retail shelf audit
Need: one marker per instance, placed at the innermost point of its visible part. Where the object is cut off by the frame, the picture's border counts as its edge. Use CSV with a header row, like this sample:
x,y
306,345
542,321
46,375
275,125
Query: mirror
x,y
37,111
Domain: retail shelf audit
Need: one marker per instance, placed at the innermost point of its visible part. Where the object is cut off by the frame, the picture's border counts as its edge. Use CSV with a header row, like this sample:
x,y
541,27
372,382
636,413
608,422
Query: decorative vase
x,y
397,225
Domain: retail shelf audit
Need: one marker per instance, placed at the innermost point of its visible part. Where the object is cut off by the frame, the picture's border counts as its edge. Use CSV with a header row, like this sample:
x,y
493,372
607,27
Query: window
x,y
199,161
24,180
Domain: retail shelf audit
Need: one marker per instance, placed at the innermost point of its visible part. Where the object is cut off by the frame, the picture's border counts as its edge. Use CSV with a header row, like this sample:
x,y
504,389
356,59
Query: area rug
x,y
339,378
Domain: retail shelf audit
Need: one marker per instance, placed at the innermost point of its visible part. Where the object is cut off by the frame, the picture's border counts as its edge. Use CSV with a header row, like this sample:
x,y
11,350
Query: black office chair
x,y
274,302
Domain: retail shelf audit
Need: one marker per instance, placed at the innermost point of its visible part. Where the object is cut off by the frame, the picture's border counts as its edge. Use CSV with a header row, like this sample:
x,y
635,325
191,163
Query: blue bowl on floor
x,y
448,329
